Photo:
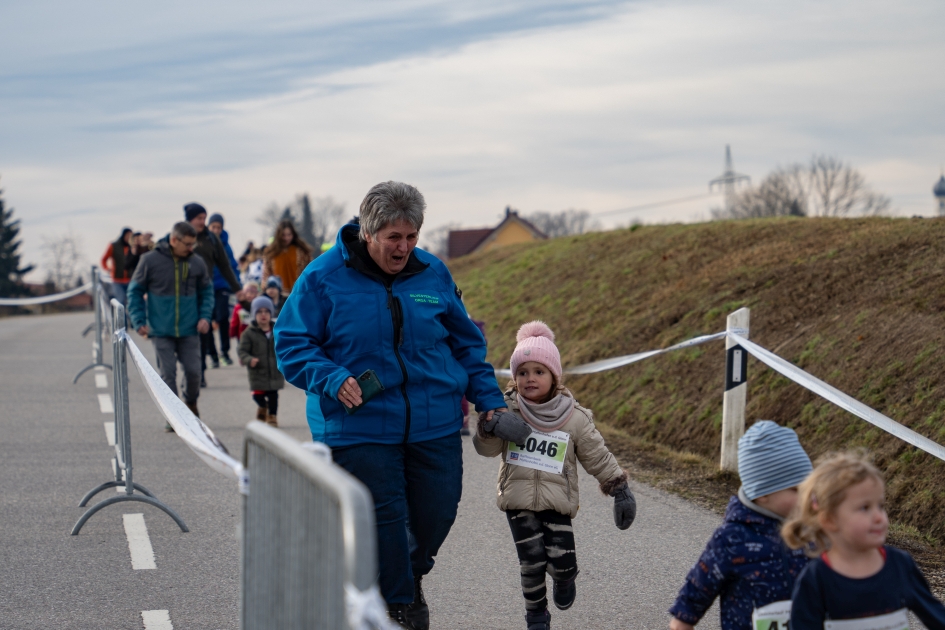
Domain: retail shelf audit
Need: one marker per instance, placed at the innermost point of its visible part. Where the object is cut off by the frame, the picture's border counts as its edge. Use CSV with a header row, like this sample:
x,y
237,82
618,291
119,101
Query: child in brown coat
x,y
541,439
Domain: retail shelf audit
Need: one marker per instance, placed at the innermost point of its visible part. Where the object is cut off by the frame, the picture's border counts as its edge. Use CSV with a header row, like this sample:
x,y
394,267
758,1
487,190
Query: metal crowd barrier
x,y
100,303
309,558
122,460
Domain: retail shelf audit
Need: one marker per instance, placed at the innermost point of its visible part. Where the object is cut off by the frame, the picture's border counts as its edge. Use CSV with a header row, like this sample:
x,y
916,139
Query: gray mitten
x,y
625,506
507,426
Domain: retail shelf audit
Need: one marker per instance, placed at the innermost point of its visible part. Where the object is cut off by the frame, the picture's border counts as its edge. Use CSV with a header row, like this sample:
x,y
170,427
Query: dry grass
x,y
857,303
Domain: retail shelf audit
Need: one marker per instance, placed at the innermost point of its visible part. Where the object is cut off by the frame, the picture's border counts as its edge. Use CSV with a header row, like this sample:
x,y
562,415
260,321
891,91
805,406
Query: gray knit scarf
x,y
547,416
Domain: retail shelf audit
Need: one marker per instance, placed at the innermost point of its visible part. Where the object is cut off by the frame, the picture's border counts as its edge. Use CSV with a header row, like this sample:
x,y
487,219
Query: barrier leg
x,y
736,391
128,497
114,484
87,368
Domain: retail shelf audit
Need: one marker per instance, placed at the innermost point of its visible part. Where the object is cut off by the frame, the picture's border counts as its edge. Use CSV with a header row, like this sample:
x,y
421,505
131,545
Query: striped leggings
x,y
544,542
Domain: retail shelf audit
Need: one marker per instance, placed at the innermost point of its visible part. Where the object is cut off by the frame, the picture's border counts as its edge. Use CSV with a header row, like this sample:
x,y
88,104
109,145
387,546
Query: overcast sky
x,y
118,113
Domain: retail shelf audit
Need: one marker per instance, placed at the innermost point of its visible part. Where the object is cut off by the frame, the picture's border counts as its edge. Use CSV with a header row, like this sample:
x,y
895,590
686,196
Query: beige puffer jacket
x,y
521,488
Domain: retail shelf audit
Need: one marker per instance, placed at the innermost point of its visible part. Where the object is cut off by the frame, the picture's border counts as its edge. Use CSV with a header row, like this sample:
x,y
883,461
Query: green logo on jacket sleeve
x,y
423,298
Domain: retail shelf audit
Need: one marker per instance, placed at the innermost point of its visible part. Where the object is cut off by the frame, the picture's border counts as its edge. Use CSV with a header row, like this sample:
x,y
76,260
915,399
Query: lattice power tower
x,y
729,180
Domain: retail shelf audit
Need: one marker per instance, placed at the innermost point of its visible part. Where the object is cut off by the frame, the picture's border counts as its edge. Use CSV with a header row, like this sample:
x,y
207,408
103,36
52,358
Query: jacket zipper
x,y
397,317
567,482
176,299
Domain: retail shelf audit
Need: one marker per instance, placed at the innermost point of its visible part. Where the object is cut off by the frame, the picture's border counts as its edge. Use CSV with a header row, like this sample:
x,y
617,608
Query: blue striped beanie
x,y
770,458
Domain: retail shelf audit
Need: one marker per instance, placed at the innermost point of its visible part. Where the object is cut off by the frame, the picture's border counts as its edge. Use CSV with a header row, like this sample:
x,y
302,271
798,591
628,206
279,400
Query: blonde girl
x,y
855,582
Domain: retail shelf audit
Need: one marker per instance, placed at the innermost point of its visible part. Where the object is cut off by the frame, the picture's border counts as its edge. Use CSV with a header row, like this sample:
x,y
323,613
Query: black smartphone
x,y
370,387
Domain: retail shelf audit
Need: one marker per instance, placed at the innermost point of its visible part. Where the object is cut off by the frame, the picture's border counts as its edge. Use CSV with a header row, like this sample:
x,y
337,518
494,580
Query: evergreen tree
x,y
11,273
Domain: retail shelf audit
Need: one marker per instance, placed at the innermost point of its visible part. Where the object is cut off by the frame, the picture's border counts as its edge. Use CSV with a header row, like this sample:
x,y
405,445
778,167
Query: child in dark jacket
x,y
746,564
856,581
257,351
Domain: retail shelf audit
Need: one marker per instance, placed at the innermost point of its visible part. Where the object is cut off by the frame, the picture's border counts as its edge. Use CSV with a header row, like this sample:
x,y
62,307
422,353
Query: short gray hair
x,y
182,229
390,202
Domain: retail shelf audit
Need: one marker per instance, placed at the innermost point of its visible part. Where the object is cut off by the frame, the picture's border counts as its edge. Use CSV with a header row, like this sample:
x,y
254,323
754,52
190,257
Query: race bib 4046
x,y
541,451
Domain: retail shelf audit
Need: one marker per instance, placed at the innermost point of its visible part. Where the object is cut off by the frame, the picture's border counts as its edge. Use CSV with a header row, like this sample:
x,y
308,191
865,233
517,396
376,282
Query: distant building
x,y
939,192
513,229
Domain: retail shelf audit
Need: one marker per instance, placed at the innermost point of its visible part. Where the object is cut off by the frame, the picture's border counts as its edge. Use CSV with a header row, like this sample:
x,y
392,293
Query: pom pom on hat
x,y
536,343
536,328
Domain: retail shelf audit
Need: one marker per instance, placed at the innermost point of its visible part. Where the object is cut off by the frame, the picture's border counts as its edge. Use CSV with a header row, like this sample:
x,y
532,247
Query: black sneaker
x,y
215,364
398,614
564,592
535,620
203,381
168,428
227,361
418,613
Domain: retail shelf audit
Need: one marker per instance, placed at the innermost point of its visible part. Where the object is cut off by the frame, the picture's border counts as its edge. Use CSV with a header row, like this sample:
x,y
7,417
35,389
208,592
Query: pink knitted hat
x,y
536,342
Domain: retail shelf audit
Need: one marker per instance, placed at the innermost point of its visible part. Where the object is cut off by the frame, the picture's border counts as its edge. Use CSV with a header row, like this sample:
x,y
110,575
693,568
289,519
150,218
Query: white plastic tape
x,y
367,609
840,399
45,299
616,362
188,427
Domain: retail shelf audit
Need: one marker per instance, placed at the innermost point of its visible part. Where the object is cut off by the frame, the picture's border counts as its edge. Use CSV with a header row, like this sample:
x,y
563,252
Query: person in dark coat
x,y
120,259
746,563
210,248
257,351
221,294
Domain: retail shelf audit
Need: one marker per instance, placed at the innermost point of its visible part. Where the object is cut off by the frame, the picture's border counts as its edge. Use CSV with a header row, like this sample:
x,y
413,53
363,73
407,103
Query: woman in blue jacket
x,y
374,302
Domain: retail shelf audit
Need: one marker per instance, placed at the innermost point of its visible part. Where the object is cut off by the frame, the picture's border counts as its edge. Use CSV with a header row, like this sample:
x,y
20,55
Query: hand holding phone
x,y
355,394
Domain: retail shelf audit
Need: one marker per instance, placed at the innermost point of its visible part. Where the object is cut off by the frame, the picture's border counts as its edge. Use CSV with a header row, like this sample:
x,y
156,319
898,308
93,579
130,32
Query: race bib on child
x,y
541,451
776,616
898,620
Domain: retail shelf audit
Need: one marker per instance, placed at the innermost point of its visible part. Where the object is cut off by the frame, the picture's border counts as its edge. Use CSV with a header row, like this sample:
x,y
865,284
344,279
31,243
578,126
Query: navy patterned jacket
x,y
745,564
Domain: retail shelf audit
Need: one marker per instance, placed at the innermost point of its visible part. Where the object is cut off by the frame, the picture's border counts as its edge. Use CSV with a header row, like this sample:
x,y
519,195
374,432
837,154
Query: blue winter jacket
x,y
341,320
178,289
745,564
219,282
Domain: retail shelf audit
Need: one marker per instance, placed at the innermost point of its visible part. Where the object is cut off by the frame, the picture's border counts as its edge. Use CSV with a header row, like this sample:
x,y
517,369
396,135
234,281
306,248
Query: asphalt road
x,y
53,450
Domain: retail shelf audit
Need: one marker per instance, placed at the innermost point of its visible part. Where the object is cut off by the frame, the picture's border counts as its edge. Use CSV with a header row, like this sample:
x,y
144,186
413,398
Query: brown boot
x,y
193,408
272,421
261,414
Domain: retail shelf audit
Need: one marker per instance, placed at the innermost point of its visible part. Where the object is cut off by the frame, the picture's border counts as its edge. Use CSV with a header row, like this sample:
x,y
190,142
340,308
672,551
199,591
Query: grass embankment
x,y
858,303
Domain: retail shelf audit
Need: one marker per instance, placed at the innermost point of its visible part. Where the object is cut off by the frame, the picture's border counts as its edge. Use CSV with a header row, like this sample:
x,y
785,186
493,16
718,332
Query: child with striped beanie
x,y
746,563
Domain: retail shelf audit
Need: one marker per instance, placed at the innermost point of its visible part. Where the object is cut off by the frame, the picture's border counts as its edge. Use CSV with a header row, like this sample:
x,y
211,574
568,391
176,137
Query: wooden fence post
x,y
736,390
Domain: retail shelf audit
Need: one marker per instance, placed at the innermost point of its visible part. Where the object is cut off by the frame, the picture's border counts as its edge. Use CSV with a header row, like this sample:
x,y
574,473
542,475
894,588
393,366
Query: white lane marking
x,y
142,555
110,433
156,620
101,381
105,403
114,472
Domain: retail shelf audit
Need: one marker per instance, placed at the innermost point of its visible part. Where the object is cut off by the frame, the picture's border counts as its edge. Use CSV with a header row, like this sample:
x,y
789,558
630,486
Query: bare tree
x,y
269,219
64,260
782,193
316,221
437,240
564,223
328,216
839,190
826,187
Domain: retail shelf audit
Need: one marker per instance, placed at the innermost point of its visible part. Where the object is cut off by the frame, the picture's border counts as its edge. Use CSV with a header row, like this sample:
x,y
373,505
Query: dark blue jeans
x,y
419,482
221,315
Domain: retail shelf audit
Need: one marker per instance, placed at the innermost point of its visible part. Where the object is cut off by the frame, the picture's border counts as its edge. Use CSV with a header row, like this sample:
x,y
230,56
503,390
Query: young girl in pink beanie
x,y
541,438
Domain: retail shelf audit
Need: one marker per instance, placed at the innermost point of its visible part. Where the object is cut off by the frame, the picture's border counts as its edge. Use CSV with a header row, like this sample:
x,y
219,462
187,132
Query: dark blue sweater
x,y
823,594
745,564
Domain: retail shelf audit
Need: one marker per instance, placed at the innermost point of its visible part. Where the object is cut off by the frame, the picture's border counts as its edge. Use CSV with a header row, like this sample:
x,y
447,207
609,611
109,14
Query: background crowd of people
x,y
188,284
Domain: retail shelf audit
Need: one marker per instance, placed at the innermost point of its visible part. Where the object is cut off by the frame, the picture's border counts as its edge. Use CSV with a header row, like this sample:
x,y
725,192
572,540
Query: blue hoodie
x,y
745,564
219,282
341,319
